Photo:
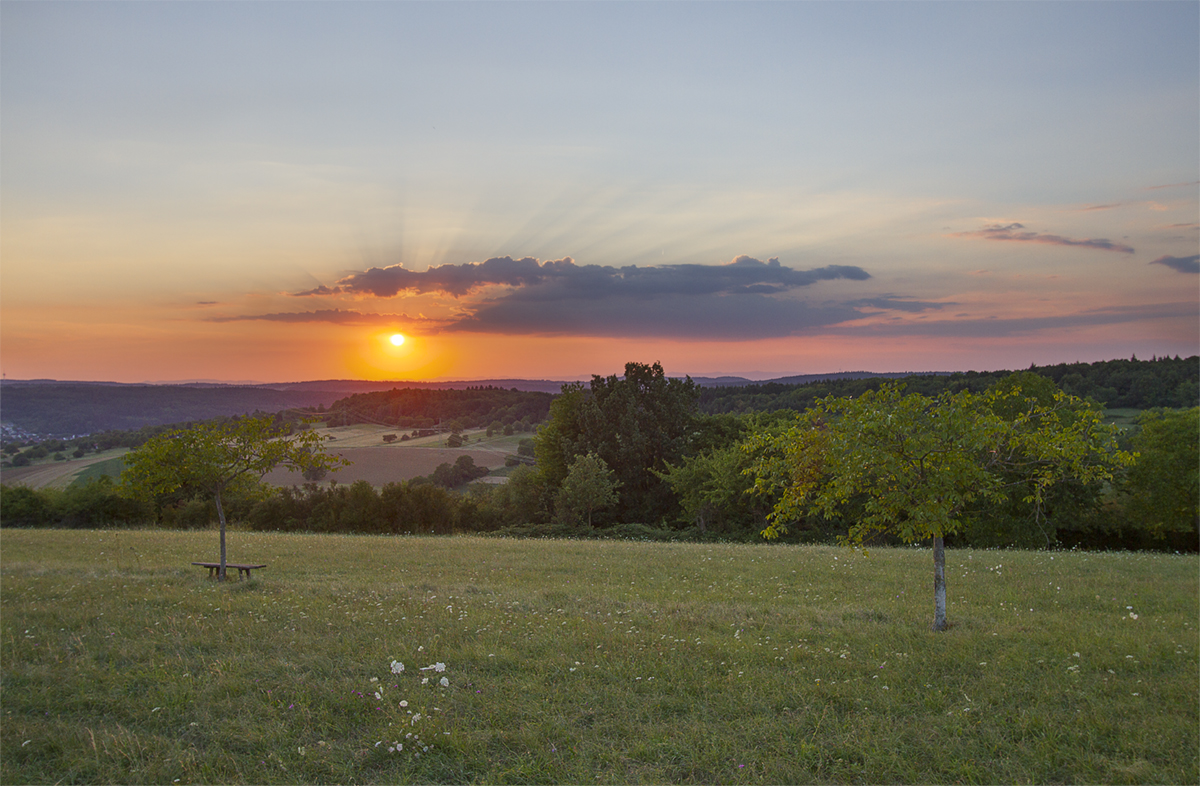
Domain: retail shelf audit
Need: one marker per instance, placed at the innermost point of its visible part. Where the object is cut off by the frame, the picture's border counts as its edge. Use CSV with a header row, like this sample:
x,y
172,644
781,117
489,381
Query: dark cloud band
x,y
1182,264
334,316
555,279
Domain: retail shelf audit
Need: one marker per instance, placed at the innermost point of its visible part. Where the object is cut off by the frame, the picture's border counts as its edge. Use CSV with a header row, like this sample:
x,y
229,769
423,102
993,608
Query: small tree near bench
x,y
210,457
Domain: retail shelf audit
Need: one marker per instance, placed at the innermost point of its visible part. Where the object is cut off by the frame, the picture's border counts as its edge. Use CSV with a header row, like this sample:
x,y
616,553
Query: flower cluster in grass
x,y
396,710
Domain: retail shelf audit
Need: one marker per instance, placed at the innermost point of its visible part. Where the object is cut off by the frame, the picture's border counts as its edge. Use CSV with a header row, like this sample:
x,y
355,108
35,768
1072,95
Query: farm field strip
x,y
379,466
55,474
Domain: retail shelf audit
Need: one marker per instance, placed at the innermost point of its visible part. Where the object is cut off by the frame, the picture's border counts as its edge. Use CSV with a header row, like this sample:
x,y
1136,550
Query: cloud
x,y
898,303
1009,232
709,317
334,316
998,327
563,278
743,299
1182,264
1189,184
321,290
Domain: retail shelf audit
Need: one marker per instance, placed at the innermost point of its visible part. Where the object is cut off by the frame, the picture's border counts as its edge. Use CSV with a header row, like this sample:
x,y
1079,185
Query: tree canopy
x,y
637,424
1164,485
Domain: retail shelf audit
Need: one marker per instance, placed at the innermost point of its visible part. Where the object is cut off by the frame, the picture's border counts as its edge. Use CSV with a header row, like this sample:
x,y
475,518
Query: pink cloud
x,y
1013,232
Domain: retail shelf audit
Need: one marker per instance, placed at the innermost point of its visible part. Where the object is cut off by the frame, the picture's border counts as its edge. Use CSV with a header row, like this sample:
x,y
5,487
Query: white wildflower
x,y
397,667
445,683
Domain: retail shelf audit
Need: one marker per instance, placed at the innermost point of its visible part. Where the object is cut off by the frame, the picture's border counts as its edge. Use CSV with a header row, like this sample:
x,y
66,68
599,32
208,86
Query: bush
x,y
97,503
21,506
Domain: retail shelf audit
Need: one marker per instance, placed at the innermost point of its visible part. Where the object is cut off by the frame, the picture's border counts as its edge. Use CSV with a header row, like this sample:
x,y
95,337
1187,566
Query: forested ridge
x,y
1113,384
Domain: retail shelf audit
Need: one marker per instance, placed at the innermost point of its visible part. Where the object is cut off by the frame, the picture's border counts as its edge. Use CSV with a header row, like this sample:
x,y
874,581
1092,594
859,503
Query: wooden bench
x,y
213,567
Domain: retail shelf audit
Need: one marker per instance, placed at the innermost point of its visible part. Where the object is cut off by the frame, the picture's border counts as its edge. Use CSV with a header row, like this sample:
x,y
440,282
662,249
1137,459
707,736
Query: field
x,y
57,474
372,459
572,662
380,463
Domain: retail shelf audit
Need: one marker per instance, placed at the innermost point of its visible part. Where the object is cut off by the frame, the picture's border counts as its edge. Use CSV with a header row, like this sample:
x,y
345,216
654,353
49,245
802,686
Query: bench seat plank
x,y
213,567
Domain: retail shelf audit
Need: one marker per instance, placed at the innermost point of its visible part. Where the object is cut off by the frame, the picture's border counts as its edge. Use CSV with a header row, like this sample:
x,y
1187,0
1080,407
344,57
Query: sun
x,y
397,339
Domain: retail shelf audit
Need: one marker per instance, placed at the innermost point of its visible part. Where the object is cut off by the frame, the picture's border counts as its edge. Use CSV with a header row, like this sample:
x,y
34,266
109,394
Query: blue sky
x,y
202,190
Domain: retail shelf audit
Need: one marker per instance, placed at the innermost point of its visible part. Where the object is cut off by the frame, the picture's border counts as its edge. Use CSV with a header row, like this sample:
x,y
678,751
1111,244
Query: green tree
x,y
1025,519
21,506
638,424
212,457
557,441
917,466
1164,483
524,499
714,486
588,488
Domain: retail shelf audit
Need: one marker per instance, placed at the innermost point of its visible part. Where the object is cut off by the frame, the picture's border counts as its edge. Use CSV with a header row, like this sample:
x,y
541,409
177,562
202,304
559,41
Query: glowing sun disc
x,y
397,339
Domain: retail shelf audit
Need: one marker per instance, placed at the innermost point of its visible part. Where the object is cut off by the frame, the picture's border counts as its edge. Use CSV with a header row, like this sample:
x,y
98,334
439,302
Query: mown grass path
x,y
572,662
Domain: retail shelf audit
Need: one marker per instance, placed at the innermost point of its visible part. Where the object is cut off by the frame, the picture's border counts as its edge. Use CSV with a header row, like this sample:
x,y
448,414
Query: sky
x,y
269,191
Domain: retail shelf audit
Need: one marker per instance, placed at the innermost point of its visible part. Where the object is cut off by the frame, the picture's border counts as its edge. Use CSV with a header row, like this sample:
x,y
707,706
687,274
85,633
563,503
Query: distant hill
x,y
59,408
53,408
64,409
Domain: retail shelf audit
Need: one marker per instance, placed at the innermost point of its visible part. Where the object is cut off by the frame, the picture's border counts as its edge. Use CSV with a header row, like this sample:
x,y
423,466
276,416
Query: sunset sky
x,y
269,191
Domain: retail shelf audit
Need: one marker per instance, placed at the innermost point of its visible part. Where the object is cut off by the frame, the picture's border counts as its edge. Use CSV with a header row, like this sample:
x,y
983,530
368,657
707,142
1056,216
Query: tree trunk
x,y
939,584
221,518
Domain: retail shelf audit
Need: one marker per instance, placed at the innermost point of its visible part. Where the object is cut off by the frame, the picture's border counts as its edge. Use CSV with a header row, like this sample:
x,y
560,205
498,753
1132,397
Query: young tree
x,y
210,457
917,466
589,487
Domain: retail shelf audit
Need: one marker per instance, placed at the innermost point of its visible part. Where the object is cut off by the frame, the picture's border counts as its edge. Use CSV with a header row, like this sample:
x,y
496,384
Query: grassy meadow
x,y
588,662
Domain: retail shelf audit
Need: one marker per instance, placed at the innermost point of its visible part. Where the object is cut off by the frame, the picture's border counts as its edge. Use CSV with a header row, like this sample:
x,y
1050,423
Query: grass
x,y
605,662
109,467
1123,418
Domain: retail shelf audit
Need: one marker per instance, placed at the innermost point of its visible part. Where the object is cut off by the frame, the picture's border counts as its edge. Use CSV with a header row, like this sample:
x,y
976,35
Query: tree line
x,y
1133,384
634,456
